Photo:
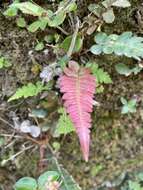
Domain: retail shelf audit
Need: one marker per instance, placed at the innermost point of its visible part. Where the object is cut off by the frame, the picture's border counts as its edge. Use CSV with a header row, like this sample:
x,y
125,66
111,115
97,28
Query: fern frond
x,y
28,90
101,75
65,124
124,44
78,87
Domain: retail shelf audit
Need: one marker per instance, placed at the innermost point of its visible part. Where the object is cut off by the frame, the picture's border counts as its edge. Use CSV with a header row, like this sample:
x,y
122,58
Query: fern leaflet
x,y
65,124
101,75
29,90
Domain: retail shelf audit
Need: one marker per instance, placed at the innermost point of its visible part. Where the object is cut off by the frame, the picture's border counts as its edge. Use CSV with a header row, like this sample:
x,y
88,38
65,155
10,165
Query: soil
x,y
117,140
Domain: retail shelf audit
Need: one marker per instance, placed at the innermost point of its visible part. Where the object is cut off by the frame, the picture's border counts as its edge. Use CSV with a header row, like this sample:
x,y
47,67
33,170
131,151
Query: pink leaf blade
x,y
78,88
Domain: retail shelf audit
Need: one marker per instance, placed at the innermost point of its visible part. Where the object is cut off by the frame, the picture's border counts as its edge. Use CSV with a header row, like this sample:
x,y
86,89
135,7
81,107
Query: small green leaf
x,y
21,22
107,3
116,3
100,38
108,49
56,20
132,103
29,8
109,16
128,106
125,36
67,41
99,89
123,69
39,46
34,26
136,70
121,3
68,7
43,23
26,183
71,7
46,177
11,11
38,113
49,38
96,49
4,63
56,145
124,101
95,8
125,110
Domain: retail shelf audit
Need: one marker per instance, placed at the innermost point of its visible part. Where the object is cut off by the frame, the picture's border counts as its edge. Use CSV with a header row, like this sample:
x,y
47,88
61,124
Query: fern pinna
x,y
78,88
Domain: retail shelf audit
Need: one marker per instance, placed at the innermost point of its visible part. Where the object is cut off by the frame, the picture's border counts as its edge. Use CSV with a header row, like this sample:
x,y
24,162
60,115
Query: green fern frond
x,y
124,44
101,75
29,90
64,125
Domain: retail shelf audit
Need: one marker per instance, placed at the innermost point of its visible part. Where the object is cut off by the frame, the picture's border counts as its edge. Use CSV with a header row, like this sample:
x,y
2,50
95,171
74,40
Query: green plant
x,y
21,22
29,90
128,106
50,180
67,41
102,77
45,17
39,46
134,185
64,125
105,10
4,63
11,11
124,44
123,69
46,181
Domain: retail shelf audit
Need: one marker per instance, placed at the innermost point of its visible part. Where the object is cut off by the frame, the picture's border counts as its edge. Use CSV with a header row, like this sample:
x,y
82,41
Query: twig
x,y
9,135
15,155
62,30
72,45
10,144
6,122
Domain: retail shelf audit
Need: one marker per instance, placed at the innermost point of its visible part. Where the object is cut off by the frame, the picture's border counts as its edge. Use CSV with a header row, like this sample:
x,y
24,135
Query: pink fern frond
x,y
78,88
